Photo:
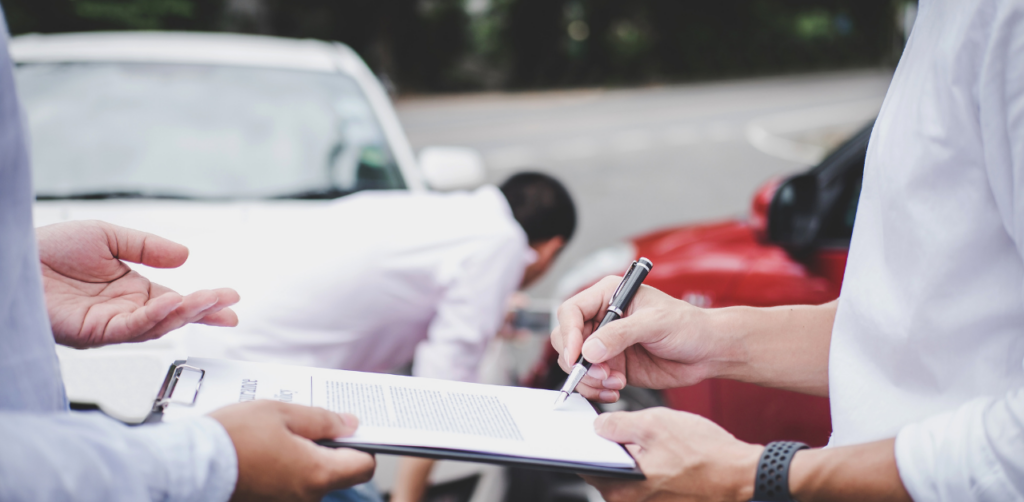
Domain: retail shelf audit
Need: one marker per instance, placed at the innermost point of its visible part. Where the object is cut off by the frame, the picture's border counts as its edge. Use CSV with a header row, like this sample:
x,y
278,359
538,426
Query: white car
x,y
215,117
187,133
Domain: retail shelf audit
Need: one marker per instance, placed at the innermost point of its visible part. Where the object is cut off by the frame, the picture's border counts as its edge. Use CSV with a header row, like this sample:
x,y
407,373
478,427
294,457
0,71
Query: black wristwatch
x,y
771,483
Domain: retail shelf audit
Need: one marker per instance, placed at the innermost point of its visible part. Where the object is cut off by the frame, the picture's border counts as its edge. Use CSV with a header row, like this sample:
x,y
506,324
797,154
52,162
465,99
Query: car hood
x,y
725,263
211,230
725,245
174,216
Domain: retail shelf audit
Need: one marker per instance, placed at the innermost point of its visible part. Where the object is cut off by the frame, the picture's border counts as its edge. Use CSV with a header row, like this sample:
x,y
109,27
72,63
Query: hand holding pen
x,y
663,343
620,300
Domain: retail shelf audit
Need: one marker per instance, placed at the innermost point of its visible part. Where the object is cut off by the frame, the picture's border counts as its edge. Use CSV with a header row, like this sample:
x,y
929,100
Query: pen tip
x,y
562,396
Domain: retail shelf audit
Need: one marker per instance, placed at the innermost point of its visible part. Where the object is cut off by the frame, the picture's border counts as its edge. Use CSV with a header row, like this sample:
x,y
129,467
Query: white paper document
x,y
407,411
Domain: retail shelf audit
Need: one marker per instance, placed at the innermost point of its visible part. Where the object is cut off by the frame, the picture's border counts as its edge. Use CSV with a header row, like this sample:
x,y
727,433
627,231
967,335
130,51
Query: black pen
x,y
621,298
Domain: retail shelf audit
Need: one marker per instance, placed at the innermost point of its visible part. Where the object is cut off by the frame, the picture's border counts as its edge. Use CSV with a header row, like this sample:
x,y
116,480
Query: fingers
x,y
219,314
226,318
145,248
573,341
602,376
336,468
195,307
568,336
346,467
575,313
192,308
614,338
597,393
277,459
318,423
636,427
128,326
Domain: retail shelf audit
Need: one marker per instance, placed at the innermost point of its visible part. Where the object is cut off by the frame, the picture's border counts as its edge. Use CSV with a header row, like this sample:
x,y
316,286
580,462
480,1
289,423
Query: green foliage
x,y
816,23
134,14
53,16
437,45
658,40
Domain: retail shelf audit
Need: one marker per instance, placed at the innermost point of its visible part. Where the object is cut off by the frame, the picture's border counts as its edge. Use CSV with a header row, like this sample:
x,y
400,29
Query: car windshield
x,y
106,130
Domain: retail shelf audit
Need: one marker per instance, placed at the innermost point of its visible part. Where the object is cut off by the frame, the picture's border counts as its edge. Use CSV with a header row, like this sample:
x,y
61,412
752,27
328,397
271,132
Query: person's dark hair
x,y
541,205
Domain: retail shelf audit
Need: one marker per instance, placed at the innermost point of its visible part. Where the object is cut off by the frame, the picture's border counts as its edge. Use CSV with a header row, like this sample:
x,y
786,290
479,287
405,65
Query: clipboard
x,y
179,368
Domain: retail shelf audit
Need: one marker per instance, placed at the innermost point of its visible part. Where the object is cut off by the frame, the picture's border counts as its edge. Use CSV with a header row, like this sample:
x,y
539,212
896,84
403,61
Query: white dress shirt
x,y
46,452
928,343
368,282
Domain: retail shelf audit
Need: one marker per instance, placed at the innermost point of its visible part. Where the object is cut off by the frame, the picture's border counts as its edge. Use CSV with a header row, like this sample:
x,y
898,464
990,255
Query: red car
x,y
791,250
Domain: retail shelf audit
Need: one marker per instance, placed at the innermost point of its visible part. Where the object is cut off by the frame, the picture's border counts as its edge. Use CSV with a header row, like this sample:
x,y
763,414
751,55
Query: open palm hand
x,y
93,298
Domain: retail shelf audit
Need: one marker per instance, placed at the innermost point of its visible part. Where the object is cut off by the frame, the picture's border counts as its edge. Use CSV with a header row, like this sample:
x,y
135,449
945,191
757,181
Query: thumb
x,y
624,427
318,423
345,467
614,338
142,247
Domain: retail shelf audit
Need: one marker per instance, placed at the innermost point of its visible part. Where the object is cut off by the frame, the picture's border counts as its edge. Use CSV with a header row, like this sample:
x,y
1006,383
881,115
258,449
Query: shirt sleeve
x,y
89,457
976,452
470,312
972,454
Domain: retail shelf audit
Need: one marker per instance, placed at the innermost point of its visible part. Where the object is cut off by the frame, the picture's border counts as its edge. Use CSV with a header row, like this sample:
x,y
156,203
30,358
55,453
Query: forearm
x,y
783,347
849,473
412,480
90,457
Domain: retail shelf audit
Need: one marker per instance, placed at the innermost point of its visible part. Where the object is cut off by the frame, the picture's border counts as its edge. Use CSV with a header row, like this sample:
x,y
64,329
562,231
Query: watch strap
x,y
771,483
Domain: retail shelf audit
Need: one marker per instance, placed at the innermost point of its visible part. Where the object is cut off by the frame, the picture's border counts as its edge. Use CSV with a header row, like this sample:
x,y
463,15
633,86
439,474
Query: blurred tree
x,y
417,43
441,45
135,14
51,16
533,35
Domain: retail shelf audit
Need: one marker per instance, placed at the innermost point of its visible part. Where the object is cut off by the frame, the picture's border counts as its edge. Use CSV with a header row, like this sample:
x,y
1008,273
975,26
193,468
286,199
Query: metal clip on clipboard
x,y
165,397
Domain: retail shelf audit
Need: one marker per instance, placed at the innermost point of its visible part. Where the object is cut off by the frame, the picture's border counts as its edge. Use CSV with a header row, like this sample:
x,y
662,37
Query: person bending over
x,y
379,279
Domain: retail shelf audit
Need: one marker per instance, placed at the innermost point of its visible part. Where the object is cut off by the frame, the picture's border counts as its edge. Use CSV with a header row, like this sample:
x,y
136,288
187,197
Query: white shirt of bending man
x,y
928,342
368,282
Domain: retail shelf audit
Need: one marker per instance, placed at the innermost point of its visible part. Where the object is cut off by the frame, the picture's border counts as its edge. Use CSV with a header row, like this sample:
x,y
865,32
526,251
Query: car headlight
x,y
612,260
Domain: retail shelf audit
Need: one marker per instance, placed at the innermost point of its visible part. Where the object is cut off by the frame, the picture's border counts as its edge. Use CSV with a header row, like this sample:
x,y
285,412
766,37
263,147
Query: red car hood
x,y
725,263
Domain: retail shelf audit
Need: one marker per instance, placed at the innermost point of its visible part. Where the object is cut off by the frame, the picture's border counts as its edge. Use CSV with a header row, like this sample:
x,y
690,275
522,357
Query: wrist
x,y
800,474
859,472
727,336
744,472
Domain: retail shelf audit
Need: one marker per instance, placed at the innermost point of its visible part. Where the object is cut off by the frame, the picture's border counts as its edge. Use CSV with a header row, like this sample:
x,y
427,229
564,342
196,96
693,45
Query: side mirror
x,y
792,216
447,168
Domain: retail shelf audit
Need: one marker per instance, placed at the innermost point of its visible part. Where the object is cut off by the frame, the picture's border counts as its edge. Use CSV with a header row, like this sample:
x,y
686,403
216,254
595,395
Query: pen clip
x,y
622,282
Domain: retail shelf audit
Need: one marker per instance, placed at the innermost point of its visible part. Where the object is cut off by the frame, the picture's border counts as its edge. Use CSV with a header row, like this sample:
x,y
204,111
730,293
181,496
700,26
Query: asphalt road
x,y
637,160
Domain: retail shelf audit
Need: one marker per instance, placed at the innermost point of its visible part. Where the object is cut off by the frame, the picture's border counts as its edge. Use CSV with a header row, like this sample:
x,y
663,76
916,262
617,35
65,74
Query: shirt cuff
x,y
948,457
198,460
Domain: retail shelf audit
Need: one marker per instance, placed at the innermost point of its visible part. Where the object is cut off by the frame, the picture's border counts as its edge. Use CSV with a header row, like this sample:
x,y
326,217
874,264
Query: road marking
x,y
780,134
624,142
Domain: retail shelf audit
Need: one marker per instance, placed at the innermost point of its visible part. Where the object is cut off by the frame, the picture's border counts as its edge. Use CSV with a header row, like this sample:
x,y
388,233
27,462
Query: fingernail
x,y
596,372
608,396
613,383
597,350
